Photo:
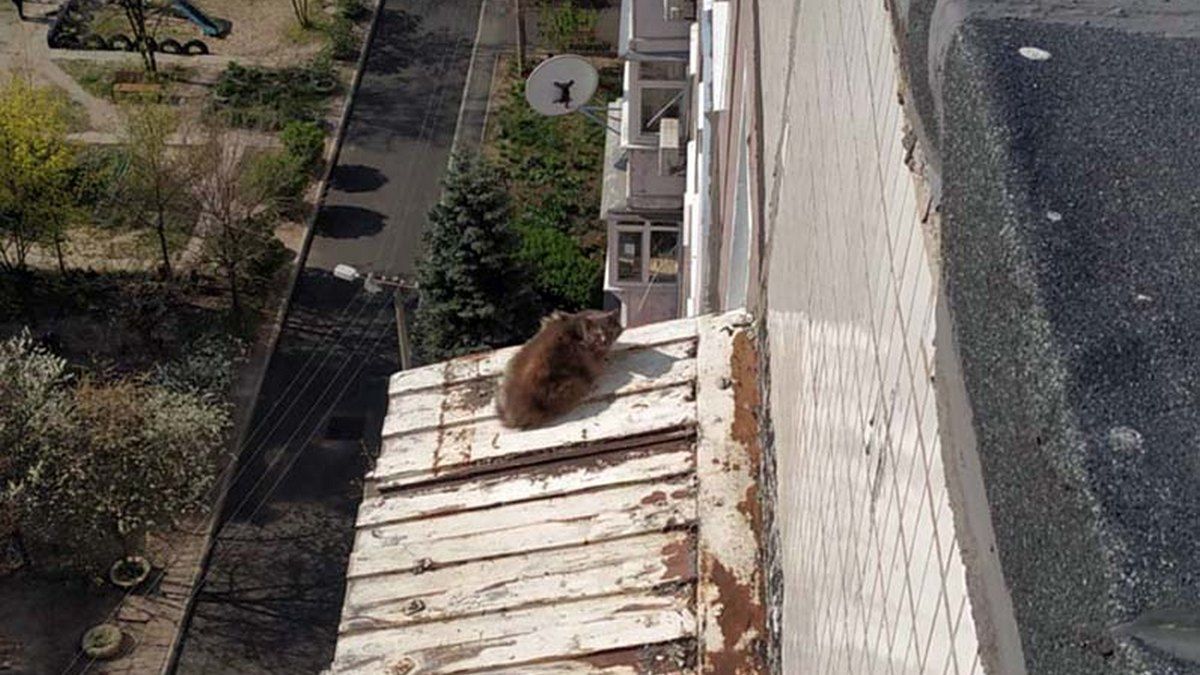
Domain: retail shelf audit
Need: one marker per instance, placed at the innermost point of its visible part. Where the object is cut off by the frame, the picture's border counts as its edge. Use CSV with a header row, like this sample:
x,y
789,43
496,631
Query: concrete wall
x,y
872,575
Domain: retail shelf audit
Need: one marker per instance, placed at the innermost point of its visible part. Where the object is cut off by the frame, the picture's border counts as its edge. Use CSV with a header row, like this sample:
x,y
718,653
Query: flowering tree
x,y
141,457
35,412
98,463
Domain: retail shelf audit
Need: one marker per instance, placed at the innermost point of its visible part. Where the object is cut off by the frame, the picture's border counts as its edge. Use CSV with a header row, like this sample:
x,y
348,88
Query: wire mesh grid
x,y
873,579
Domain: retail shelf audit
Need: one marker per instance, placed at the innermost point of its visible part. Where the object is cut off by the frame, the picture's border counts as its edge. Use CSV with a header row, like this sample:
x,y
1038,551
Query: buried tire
x,y
121,43
102,642
94,41
195,48
170,46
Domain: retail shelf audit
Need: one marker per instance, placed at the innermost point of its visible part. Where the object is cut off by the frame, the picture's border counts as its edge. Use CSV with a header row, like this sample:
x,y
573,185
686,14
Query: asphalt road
x,y
272,594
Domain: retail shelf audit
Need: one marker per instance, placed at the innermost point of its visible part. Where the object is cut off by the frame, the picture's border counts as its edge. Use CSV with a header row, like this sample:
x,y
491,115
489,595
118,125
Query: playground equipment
x,y
72,29
211,27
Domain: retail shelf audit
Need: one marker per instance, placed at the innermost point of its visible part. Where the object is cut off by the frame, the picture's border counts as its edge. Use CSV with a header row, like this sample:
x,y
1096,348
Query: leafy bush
x,y
97,184
262,268
554,162
265,98
563,275
91,468
281,175
564,25
554,169
304,141
205,369
343,43
138,458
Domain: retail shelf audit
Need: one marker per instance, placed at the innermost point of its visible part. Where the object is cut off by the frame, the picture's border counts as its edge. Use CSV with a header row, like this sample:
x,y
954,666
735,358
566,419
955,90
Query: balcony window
x,y
629,256
657,103
664,256
645,253
662,71
657,91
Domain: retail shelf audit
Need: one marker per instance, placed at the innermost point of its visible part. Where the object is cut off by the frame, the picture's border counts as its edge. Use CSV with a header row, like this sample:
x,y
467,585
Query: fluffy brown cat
x,y
557,368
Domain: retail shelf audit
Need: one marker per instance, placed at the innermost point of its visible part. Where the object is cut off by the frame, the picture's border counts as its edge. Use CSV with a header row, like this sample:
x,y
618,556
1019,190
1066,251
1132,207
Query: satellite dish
x,y
561,85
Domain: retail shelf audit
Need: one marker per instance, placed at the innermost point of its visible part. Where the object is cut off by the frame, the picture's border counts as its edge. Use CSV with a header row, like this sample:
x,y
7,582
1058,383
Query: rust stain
x,y
655,498
742,614
746,398
747,407
446,656
679,559
403,666
441,426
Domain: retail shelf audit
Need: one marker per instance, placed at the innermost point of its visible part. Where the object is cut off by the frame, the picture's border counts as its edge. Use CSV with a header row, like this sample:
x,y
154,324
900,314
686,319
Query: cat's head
x,y
599,330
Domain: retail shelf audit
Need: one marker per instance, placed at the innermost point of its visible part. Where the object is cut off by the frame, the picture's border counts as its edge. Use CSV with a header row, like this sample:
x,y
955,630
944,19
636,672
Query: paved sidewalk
x,y
23,48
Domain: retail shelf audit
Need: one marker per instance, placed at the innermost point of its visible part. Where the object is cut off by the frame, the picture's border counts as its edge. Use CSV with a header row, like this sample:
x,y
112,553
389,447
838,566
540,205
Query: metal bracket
x,y
592,113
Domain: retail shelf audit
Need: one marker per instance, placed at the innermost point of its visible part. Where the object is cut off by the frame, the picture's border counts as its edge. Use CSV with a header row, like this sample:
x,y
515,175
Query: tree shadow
x,y
353,178
348,222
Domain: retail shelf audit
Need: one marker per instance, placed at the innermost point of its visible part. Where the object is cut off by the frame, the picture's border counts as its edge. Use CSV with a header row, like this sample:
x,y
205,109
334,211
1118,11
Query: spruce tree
x,y
475,292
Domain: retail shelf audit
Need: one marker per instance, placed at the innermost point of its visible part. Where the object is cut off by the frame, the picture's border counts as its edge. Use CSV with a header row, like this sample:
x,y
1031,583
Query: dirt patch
x,y
265,30
43,620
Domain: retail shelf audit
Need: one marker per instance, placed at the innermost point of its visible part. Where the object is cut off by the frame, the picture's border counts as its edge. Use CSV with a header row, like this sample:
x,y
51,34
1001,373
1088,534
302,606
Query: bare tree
x,y
236,212
303,13
135,14
158,174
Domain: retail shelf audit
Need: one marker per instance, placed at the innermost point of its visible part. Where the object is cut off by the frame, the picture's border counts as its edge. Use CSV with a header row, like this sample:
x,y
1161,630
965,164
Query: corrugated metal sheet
x,y
574,548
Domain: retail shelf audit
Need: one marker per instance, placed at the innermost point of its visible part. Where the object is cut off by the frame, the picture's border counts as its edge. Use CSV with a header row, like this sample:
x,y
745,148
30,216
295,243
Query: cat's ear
x,y
577,329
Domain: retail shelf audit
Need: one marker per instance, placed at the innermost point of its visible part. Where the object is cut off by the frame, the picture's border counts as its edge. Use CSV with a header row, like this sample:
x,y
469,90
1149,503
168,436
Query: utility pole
x,y
374,284
402,330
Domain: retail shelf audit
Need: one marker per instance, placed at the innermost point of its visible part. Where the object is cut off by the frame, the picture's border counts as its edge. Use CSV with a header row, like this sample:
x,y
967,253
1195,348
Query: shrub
x,y
304,141
351,9
266,98
139,457
565,26
564,276
205,369
280,175
554,162
343,43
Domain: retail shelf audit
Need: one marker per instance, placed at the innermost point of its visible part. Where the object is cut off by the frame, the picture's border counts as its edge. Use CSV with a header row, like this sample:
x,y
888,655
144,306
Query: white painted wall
x,y
874,581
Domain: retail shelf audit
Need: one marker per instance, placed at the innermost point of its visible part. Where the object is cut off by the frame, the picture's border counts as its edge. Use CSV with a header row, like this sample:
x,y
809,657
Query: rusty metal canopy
x,y
622,539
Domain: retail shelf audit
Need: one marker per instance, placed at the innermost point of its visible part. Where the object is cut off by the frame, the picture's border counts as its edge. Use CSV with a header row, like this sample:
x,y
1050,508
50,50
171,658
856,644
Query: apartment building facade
x,y
679,187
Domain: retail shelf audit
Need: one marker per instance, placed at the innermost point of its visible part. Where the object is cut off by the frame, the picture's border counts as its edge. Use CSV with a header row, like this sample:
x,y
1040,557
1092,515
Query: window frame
x,y
637,85
643,227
